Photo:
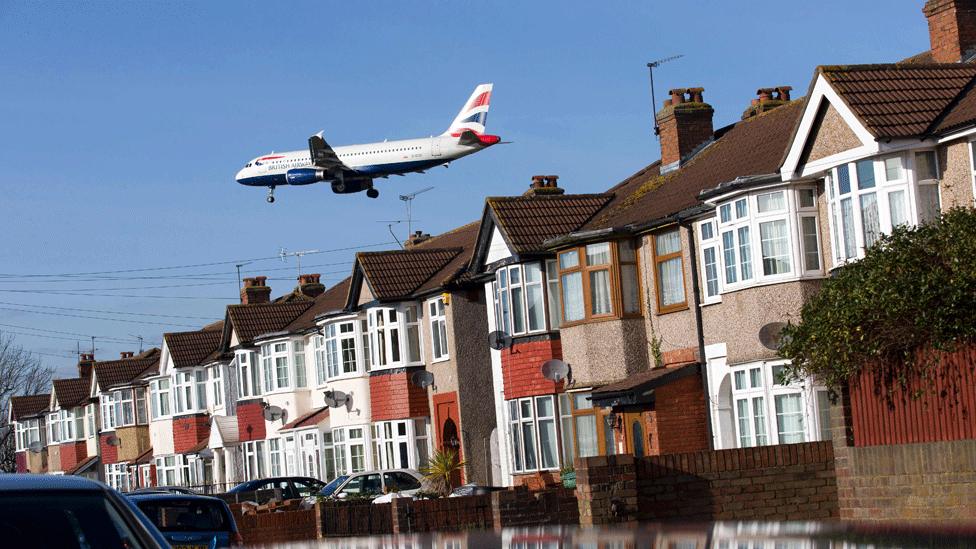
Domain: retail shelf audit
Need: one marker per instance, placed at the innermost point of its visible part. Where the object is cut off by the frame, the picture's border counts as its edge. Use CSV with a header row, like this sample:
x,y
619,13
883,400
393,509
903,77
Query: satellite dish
x,y
113,440
555,370
273,413
335,399
36,447
499,340
422,379
770,335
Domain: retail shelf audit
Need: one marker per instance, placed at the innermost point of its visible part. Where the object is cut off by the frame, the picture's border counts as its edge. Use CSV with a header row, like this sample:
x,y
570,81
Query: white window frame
x,y
276,457
398,439
300,372
339,337
349,443
768,388
171,470
972,168
516,434
437,322
255,454
217,385
919,183
714,244
276,366
160,396
382,324
505,291
183,392
117,476
248,376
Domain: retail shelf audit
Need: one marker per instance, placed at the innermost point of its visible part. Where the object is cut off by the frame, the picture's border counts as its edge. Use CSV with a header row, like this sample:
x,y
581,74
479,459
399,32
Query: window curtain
x,y
847,220
600,292
573,296
775,244
928,204
870,221
586,436
671,282
789,418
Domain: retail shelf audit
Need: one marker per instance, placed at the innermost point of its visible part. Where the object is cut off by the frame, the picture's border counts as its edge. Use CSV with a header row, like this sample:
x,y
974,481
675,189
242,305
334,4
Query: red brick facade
x,y
250,421
72,453
522,368
680,413
21,458
392,396
189,431
110,454
952,28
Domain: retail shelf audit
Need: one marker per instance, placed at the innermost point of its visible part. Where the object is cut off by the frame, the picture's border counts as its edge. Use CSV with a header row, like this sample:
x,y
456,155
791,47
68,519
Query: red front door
x,y
448,427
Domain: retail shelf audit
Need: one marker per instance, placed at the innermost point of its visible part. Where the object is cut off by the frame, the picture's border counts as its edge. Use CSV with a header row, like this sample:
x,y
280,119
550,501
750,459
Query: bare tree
x,y
21,373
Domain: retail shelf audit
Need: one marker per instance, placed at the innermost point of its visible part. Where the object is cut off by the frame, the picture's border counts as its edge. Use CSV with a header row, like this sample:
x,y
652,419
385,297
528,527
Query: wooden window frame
x,y
600,417
658,259
616,287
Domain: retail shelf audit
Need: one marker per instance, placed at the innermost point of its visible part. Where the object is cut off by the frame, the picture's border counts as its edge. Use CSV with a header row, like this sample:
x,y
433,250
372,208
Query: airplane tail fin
x,y
474,113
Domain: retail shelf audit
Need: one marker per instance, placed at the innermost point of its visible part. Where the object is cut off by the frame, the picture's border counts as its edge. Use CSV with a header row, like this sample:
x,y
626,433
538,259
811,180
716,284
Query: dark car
x,y
474,490
190,521
262,490
69,511
165,490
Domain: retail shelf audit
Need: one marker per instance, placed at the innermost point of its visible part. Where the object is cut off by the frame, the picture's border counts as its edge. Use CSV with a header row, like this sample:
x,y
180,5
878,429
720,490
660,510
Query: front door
x,y
310,450
449,428
636,434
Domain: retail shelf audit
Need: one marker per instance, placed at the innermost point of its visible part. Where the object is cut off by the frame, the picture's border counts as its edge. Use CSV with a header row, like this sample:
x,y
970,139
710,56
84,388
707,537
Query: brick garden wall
x,y
393,396
522,368
274,528
785,482
680,416
521,507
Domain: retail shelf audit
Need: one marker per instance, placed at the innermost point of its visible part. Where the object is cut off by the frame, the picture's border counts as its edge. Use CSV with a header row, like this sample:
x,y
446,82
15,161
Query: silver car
x,y
369,484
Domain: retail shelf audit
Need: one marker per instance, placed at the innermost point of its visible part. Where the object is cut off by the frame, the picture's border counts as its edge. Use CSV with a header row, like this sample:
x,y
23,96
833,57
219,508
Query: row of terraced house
x,y
663,295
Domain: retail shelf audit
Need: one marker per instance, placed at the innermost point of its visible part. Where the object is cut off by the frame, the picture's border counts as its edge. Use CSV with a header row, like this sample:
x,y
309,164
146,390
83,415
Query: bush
x,y
914,290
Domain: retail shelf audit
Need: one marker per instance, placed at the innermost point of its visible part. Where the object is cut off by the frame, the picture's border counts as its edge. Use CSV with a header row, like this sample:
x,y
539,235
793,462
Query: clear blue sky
x,y
122,125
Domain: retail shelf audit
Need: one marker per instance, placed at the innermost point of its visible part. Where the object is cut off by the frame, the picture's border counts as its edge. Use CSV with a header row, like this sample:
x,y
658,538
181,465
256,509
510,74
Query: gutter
x,y
696,295
741,182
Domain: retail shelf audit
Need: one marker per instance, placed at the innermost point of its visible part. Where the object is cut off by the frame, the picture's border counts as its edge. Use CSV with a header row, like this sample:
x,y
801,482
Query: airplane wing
x,y
322,154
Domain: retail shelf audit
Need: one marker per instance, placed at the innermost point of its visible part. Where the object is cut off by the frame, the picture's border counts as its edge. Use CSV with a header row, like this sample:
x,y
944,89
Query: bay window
x,y
117,476
709,259
520,296
141,418
599,281
255,459
298,358
386,328
438,328
200,382
171,470
28,432
411,316
669,275
274,364
159,398
533,433
90,416
109,418
339,352
927,179
319,350
770,411
552,294
53,428
349,445
275,453
217,384
400,444
183,392
248,376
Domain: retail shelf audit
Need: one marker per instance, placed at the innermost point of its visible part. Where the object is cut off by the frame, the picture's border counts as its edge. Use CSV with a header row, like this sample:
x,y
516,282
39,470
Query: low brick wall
x,y
441,515
521,507
273,528
355,518
785,482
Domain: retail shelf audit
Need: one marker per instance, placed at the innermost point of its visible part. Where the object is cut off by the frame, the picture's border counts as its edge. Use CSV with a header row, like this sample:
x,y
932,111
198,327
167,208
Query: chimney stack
x,y
544,185
309,285
127,354
86,363
767,100
416,238
952,29
255,291
684,125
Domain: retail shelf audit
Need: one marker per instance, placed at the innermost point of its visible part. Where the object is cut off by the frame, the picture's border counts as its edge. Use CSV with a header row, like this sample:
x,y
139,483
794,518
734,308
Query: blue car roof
x,y
170,497
33,482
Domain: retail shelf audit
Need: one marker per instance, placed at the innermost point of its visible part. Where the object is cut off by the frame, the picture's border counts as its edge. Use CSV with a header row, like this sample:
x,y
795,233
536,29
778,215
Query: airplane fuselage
x,y
370,160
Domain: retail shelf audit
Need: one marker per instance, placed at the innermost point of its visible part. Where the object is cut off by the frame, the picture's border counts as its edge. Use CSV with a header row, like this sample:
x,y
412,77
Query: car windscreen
x,y
331,487
175,515
63,519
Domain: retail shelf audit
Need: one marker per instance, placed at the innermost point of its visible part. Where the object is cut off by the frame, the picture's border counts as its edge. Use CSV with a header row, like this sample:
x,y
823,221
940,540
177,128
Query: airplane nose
x,y
239,176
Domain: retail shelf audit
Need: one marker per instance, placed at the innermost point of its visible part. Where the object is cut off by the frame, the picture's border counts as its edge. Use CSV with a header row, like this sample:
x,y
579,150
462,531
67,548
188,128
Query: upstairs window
x,y
669,272
438,328
708,238
298,358
521,298
190,391
274,365
248,375
217,384
339,350
599,281
159,398
927,178
394,336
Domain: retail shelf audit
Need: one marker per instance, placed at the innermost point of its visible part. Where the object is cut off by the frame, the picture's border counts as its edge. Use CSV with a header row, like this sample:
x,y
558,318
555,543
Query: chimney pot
x,y
416,238
309,285
255,291
86,363
784,92
952,29
126,354
683,126
677,96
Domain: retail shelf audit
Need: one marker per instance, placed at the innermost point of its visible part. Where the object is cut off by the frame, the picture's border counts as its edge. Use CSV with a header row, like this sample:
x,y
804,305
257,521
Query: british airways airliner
x,y
352,168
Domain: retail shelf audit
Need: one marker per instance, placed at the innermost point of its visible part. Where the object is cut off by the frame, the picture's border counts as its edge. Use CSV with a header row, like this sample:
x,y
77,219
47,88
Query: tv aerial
x,y
555,370
650,68
285,254
499,340
408,198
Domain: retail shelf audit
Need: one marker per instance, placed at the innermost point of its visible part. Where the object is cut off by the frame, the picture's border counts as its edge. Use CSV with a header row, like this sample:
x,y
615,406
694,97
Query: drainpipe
x,y
696,295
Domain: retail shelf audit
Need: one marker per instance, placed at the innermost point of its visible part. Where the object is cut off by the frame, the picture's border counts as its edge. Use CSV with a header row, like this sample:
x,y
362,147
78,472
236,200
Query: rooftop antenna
x,y
284,254
408,198
389,226
650,68
141,340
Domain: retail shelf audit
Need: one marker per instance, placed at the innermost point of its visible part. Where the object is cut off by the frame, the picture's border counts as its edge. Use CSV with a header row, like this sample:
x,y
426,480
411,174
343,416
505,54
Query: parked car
x,y
165,490
474,490
290,488
371,484
70,512
190,520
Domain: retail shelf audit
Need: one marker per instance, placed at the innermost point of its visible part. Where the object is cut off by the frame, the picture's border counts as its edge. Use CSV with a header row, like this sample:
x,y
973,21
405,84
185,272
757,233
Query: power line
x,y
121,288
127,321
104,311
50,292
86,337
187,266
214,276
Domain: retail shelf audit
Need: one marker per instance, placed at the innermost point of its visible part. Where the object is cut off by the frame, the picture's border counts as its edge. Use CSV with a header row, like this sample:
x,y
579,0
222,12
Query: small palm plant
x,y
441,468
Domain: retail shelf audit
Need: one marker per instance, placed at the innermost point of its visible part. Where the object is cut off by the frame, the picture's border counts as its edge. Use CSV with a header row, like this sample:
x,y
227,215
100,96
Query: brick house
x,y
69,425
415,322
118,392
27,416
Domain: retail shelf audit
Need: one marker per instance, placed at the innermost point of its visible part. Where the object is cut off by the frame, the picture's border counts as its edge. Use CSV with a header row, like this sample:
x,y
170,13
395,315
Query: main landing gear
x,y
270,198
372,193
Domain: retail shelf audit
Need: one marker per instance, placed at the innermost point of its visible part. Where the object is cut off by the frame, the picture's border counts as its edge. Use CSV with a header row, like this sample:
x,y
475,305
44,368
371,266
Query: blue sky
x,y
123,125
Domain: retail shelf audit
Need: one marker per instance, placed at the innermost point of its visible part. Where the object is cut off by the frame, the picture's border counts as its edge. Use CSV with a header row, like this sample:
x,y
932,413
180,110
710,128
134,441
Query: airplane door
x,y
435,146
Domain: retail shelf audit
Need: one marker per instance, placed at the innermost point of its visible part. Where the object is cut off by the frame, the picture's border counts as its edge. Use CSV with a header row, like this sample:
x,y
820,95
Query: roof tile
x,y
28,406
115,373
528,221
193,348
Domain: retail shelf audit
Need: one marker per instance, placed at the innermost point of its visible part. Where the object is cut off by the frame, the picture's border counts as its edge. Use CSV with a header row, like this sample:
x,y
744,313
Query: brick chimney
x,y
309,285
86,363
255,291
952,29
544,185
684,125
767,100
126,354
416,238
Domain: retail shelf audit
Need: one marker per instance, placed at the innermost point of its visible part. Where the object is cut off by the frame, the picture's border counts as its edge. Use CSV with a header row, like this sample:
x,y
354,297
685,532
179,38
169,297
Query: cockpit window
x,y
248,165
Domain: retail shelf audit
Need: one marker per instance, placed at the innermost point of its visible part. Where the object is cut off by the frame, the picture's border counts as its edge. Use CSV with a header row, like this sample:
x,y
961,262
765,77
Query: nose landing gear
x,y
372,193
270,198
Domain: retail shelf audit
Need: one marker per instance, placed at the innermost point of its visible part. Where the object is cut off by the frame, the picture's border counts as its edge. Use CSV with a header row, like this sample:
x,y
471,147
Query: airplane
x,y
352,168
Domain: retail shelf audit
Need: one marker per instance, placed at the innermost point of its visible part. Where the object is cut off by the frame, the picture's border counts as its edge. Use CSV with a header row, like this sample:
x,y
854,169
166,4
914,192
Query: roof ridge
x,y
545,196
895,66
410,250
455,230
937,121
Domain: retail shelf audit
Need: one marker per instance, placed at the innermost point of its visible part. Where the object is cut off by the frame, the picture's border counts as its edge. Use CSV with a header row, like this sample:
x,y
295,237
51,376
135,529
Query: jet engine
x,y
347,186
305,176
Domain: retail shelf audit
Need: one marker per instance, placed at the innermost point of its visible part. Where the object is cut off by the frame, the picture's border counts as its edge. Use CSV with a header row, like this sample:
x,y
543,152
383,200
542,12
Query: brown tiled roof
x,y
251,321
192,348
899,100
750,147
113,373
961,114
528,221
464,237
650,379
923,58
29,406
332,299
72,392
399,273
309,419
